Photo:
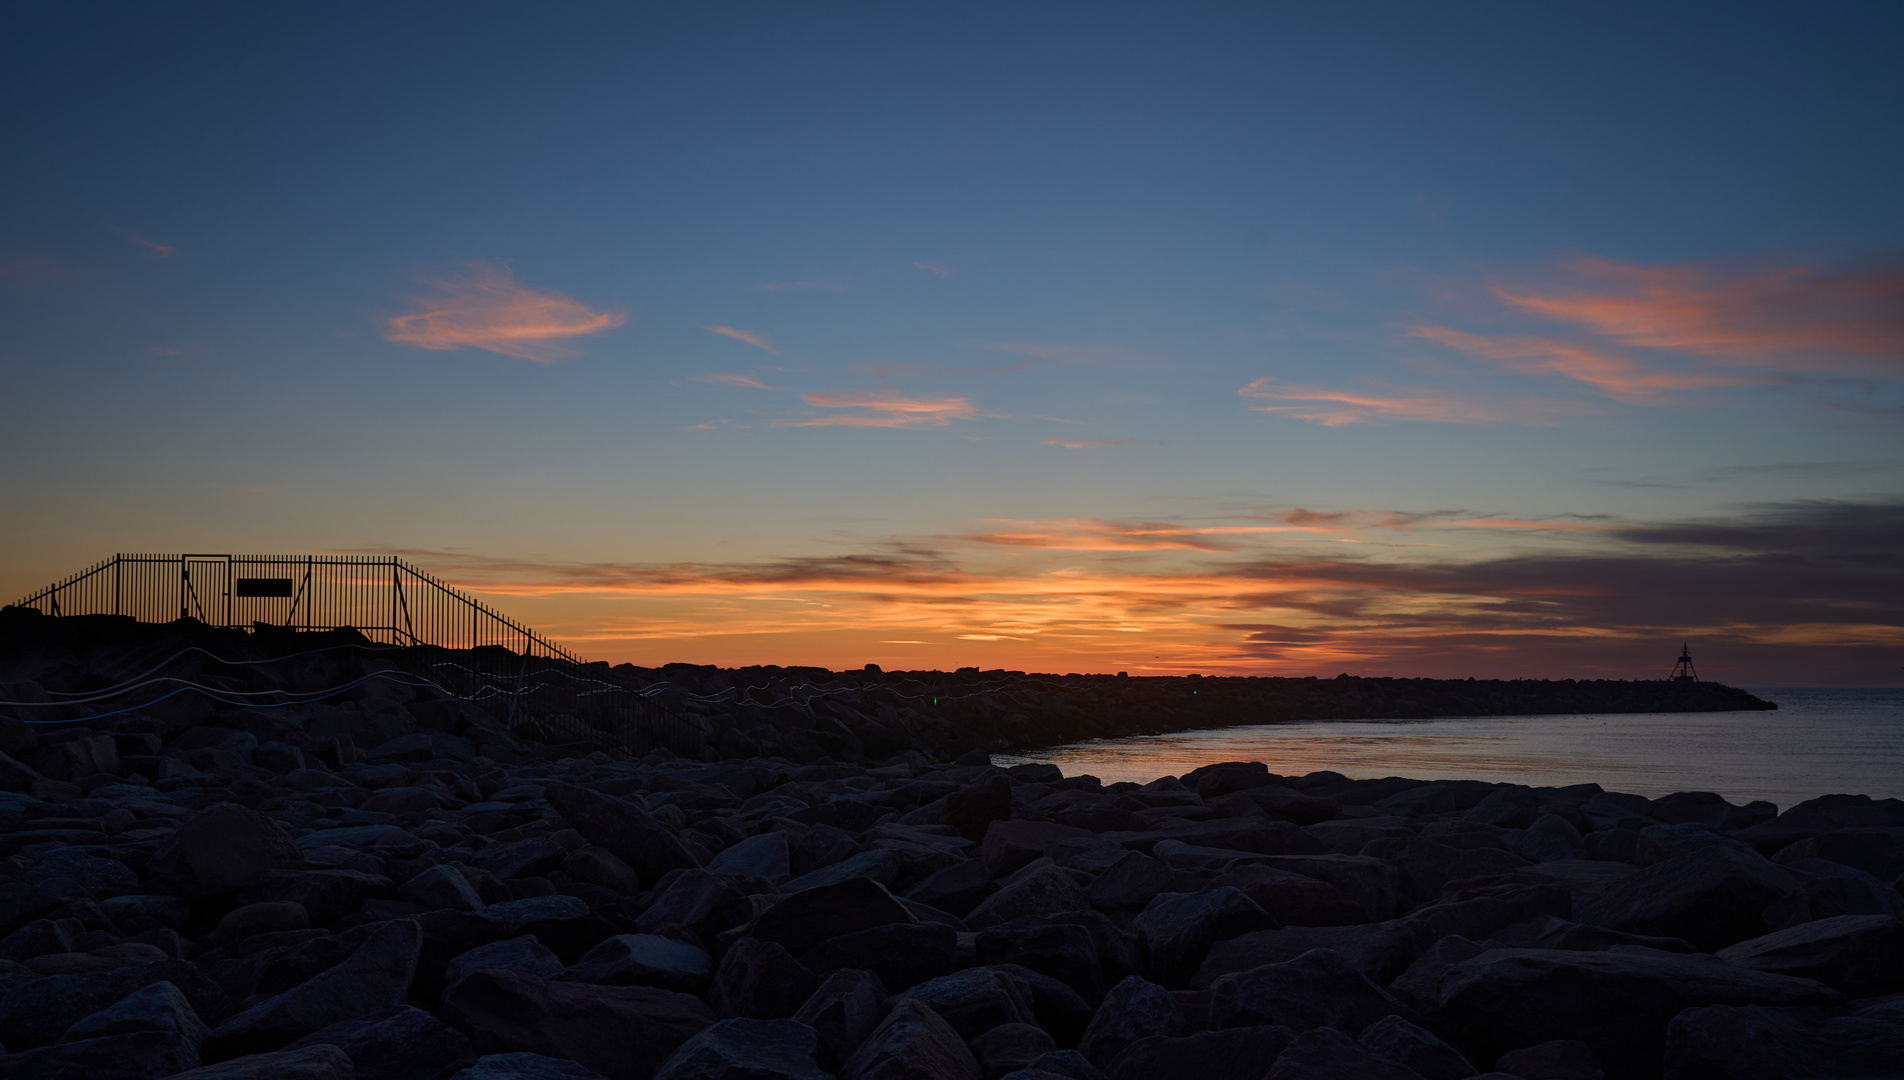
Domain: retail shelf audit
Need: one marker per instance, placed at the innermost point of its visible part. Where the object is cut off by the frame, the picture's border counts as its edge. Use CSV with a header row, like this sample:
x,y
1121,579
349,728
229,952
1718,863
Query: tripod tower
x,y
1683,672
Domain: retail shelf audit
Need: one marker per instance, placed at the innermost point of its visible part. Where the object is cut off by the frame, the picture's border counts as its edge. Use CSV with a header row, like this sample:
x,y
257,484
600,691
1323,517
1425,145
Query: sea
x,y
1817,742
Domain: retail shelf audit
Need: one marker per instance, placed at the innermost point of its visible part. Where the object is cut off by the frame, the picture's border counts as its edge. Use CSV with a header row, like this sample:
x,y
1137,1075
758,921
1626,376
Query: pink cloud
x,y
756,340
886,410
1802,317
1337,407
1617,375
482,307
940,269
747,381
1084,444
156,249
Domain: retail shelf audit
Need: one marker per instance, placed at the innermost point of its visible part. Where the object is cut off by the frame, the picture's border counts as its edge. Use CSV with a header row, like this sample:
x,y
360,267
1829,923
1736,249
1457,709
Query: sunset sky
x,y
1484,339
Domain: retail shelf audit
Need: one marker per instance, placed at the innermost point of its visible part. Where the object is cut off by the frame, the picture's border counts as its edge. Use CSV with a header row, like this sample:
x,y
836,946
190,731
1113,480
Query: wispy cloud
x,y
1091,534
482,307
827,285
1334,407
25,268
940,269
1086,444
748,381
1847,318
756,340
1619,376
152,247
885,410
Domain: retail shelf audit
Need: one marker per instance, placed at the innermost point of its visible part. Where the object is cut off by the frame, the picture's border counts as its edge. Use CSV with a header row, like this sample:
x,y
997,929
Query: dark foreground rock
x,y
394,881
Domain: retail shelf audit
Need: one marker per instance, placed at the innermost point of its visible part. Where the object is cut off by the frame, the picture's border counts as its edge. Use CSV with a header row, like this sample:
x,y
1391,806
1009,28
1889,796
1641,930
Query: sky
x,y
1491,339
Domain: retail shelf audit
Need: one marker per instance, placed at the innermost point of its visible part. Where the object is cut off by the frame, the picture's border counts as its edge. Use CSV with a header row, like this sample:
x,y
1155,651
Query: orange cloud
x,y
484,308
1082,444
1618,376
747,381
756,340
886,410
1336,407
157,250
1848,319
935,268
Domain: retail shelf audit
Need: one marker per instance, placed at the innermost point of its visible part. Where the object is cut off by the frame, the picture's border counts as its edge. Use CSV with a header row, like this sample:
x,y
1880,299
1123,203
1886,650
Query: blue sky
x,y
1064,337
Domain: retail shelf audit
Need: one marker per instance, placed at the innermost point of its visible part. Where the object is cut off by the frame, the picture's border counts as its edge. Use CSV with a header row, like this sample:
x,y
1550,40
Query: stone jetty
x,y
394,884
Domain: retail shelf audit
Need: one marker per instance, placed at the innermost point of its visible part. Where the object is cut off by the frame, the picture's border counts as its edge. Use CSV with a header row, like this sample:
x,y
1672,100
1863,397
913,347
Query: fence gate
x,y
205,589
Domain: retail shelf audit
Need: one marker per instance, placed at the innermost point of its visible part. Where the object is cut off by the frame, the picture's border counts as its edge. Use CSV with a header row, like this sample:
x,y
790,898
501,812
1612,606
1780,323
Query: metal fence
x,y
536,687
381,597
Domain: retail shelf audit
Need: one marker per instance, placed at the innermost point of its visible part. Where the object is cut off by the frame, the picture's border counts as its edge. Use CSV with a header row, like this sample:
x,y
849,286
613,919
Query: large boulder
x,y
912,1043
1369,883
56,1002
1415,1047
976,1000
222,849
376,977
395,1044
1176,930
632,834
1316,989
1065,951
842,1012
1130,883
1133,1010
1242,1053
760,980
1009,845
1852,893
742,1049
1618,1002
972,808
1875,849
158,1007
133,1055
1327,1054
899,953
644,960
1711,896
806,918
1756,1042
321,1062
1858,954
619,1031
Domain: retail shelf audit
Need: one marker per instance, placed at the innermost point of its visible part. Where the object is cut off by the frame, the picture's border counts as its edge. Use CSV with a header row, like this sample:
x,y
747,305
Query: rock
x,y
1289,899
1876,850
972,808
842,1012
644,960
526,1066
1368,883
1132,883
1821,898
1552,933
957,888
1821,815
1415,1047
599,866
742,1049
442,886
765,856
1242,1053
1041,889
1860,955
1226,777
1175,932
912,1043
822,846
693,899
327,895
395,1044
533,857
252,919
1061,1065
1008,1048
901,954
1755,1042
1557,1059
1327,1054
1712,897
160,1007
134,1055
1065,951
222,849
805,918
524,955
883,865
760,980
632,834
1133,1010
615,1030
1316,989
321,1062
1618,1002
1010,845
1508,806
170,911
976,1000
375,978
58,1001
1657,843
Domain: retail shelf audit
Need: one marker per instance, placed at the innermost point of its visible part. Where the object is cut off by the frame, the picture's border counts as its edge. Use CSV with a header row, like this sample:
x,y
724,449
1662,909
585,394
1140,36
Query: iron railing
x,y
530,684
381,597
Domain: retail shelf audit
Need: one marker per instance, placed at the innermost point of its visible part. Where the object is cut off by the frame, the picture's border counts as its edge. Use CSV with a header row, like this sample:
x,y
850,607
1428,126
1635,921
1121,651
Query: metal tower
x,y
1683,672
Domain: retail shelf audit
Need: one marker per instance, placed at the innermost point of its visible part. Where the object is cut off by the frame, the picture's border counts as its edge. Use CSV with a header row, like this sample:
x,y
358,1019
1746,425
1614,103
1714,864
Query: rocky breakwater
x,y
221,898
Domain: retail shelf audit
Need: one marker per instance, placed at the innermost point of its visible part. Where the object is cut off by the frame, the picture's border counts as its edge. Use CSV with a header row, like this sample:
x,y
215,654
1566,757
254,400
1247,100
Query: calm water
x,y
1816,743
